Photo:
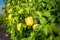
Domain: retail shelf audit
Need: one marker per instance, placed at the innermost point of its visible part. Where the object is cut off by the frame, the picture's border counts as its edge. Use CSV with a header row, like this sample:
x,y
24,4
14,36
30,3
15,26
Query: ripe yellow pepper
x,y
29,21
10,11
30,0
10,17
19,26
13,21
20,12
8,4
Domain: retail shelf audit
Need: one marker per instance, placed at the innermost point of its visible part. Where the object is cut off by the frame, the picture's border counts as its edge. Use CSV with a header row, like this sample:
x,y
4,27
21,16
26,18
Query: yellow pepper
x,y
34,27
20,11
13,21
30,0
19,26
8,4
10,17
29,21
18,2
10,11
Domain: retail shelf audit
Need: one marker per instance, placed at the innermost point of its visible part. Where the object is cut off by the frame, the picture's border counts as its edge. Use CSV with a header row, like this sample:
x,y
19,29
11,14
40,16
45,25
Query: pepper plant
x,y
32,19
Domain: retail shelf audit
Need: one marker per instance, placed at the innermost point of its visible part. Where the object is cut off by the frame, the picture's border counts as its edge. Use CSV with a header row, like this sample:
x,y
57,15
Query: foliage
x,y
32,19
1,19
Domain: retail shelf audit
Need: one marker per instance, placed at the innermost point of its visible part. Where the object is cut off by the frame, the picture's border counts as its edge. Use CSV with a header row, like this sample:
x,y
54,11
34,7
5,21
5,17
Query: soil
x,y
3,34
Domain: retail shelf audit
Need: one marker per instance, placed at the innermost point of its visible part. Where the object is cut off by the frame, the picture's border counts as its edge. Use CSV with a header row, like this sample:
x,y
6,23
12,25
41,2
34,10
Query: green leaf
x,y
46,13
43,21
46,29
57,38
